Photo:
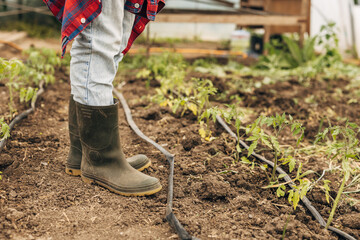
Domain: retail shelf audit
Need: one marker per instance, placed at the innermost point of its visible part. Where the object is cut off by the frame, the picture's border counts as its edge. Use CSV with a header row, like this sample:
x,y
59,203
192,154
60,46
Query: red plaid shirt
x,y
75,15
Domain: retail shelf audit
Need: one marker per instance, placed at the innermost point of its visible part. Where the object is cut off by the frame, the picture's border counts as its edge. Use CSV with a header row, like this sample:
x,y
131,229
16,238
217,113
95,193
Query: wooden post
x,y
303,25
267,28
266,39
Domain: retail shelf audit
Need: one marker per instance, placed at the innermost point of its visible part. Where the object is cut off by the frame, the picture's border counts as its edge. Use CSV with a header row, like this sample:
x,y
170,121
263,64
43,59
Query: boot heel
x,y
87,180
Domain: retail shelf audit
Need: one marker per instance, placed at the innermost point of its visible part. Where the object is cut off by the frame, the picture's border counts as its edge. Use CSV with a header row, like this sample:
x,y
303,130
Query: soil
x,y
213,198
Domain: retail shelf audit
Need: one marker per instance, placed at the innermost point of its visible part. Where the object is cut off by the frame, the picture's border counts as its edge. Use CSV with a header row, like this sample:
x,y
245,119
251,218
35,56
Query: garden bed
x,y
213,197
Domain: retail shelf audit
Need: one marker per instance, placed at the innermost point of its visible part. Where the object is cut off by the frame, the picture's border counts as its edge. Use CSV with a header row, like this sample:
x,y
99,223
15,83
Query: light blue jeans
x,y
96,53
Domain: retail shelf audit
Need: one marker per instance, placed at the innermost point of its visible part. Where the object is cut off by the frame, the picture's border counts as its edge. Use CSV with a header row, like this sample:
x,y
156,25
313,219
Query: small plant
x,y
299,190
5,130
329,40
44,60
10,70
180,93
277,124
235,114
298,56
22,79
343,146
289,54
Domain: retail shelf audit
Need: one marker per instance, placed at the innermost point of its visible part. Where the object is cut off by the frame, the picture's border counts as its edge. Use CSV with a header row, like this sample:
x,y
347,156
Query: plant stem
x,y
237,143
284,230
337,199
273,177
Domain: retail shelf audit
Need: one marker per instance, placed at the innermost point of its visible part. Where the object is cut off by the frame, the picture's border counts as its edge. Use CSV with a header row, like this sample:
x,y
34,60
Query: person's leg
x,y
85,69
96,54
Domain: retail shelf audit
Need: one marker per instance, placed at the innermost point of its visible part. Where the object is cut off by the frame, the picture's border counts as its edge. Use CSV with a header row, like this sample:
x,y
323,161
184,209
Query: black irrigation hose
x,y
24,114
287,178
170,216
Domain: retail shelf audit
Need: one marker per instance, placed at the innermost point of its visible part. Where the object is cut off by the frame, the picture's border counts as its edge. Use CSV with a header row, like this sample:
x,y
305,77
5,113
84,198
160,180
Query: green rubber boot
x,y
103,161
73,163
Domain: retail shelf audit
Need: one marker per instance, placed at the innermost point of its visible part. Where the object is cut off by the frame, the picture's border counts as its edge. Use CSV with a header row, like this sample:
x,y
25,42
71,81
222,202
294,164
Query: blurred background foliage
x,y
35,24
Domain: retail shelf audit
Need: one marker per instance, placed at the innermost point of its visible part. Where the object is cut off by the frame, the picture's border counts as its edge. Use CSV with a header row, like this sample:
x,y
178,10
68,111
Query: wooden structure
x,y
275,16
286,7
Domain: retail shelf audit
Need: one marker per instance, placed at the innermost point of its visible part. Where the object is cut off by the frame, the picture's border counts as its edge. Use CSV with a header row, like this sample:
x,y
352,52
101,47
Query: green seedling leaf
x,y
295,198
306,173
292,164
264,140
245,160
352,125
297,131
275,142
22,94
304,188
252,148
327,190
299,171
253,138
264,167
30,94
280,192
238,149
5,130
282,175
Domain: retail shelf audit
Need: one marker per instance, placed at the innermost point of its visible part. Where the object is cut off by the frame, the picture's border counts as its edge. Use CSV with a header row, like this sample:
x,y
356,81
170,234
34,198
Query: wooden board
x,y
287,7
290,7
252,3
239,19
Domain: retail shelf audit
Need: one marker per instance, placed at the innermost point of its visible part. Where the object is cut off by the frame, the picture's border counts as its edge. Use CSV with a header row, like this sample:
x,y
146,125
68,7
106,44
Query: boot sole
x,y
90,181
77,172
73,172
144,167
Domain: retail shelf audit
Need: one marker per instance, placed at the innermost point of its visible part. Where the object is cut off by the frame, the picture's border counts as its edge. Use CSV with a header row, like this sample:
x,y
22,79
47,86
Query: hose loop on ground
x,y
287,178
170,216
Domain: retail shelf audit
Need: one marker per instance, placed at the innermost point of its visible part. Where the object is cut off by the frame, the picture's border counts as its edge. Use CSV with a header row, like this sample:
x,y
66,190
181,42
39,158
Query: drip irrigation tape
x,y
24,114
170,216
287,178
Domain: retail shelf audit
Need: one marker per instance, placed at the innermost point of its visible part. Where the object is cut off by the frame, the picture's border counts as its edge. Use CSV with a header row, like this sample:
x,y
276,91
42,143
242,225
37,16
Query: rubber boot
x,y
103,161
73,163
